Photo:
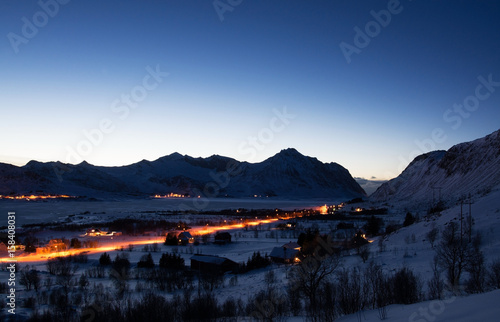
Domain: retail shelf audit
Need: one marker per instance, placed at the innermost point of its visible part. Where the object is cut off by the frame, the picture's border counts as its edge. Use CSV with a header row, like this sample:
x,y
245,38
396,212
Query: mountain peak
x,y
290,152
173,156
33,163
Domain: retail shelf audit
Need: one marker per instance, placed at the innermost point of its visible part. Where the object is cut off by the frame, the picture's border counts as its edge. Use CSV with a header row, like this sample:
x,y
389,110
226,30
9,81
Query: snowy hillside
x,y
481,307
288,174
467,168
410,247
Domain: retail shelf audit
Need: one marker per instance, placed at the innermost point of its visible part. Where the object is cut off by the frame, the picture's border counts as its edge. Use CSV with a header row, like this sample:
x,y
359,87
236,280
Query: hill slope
x,y
466,168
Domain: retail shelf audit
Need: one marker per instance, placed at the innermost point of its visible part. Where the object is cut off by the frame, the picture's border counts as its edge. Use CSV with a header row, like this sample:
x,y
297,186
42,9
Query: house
x,y
57,245
185,238
292,245
54,246
222,238
93,232
342,237
285,255
213,264
359,239
343,234
361,234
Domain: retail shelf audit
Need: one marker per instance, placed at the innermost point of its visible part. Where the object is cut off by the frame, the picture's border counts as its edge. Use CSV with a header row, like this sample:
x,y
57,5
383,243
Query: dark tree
x,y
477,271
121,265
406,288
436,285
311,274
151,307
75,243
327,303
105,259
172,261
61,266
202,308
432,236
409,219
494,274
146,261
267,305
453,252
308,240
30,279
377,288
257,261
294,301
364,253
373,225
29,244
171,239
83,282
350,294
229,309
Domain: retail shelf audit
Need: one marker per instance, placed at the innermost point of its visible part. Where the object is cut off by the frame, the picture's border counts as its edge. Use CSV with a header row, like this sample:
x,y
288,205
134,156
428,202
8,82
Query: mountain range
x,y
471,168
287,174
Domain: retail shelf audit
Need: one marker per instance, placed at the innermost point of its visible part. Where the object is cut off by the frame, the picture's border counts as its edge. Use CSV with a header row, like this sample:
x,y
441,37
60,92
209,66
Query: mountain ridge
x,y
468,168
287,174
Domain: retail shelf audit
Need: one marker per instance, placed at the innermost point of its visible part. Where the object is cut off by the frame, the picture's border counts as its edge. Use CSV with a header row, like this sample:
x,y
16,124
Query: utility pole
x,y
461,217
469,201
434,196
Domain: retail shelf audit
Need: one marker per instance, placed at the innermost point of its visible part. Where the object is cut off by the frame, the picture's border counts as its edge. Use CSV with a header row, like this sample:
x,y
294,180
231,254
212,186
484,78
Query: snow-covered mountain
x,y
288,174
466,168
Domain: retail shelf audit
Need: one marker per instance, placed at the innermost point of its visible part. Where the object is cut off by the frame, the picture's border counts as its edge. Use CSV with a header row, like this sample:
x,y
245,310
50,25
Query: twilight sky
x,y
366,84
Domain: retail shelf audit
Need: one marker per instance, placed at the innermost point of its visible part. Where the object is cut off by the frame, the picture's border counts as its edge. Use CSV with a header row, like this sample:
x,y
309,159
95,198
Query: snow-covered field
x,y
52,210
406,247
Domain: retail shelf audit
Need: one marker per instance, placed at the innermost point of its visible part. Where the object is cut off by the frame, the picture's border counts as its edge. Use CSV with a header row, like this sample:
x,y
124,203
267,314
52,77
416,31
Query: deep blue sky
x,y
226,78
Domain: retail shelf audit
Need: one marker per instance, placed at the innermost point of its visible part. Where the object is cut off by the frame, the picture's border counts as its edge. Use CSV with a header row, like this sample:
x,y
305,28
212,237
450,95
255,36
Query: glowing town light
x,y
170,195
35,197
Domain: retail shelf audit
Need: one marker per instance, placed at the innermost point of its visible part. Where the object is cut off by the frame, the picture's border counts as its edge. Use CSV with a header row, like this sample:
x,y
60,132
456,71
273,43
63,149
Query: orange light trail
x,y
124,241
